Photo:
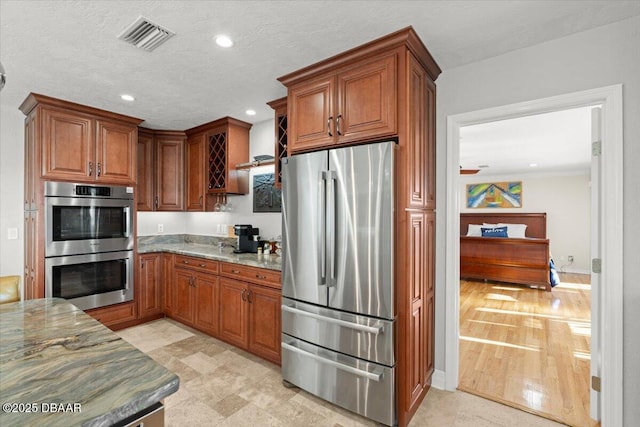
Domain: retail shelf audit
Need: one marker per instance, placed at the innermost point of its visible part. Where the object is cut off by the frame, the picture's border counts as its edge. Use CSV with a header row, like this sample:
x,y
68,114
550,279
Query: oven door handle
x,y
127,221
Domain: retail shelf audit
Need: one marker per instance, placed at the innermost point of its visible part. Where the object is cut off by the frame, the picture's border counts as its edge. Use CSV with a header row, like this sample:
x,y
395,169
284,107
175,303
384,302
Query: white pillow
x,y
487,225
474,230
516,231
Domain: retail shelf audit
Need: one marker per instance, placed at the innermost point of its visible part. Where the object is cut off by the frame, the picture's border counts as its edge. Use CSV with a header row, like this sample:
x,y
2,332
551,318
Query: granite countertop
x,y
53,353
271,262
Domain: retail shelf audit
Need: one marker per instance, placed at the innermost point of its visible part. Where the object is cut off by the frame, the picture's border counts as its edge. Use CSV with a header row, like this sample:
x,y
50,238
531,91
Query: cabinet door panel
x,y
115,152
234,312
206,303
264,323
195,159
181,304
149,279
311,123
145,172
67,146
169,175
367,101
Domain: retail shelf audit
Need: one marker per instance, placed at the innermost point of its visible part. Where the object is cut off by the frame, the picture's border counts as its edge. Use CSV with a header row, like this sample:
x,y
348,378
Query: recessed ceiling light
x,y
250,112
224,41
126,97
483,166
533,165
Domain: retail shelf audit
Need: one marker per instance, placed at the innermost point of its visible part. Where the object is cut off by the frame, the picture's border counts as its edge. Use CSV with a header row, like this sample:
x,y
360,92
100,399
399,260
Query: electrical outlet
x,y
160,228
570,258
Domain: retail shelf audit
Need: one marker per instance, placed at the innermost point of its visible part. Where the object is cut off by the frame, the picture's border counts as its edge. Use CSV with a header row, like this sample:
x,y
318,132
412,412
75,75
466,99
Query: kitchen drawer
x,y
202,264
260,276
362,387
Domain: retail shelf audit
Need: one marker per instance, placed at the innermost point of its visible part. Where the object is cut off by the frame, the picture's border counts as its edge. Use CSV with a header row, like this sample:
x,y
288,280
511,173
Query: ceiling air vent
x,y
146,35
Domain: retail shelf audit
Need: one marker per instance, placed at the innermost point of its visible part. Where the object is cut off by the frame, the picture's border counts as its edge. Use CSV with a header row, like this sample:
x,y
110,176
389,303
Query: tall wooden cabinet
x,y
380,91
213,151
160,170
65,141
282,129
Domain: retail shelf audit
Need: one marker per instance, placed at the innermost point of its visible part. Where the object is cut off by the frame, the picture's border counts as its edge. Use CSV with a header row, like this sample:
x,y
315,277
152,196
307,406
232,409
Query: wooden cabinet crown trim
x,y
225,121
404,37
34,99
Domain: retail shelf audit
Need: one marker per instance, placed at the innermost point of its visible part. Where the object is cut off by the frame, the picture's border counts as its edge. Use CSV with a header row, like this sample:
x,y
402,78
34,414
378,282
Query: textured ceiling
x,y
70,50
557,143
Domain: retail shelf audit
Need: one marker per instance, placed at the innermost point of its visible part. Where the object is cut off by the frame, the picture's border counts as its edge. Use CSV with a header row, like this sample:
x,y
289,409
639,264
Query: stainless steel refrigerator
x,y
338,311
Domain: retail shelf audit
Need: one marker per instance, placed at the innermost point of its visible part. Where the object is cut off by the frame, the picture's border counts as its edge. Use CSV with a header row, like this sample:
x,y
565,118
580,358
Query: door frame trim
x,y
611,223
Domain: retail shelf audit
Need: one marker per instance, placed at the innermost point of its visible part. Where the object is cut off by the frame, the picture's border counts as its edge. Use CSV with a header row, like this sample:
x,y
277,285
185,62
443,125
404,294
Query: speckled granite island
x,y
60,367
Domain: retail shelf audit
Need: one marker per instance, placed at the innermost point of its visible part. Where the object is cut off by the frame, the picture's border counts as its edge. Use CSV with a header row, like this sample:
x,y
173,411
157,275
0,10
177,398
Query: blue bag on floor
x,y
553,274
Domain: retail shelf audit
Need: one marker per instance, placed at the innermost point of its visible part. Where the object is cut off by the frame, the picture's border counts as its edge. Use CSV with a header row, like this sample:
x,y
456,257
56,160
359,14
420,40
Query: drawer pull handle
x,y
243,294
261,277
185,262
202,265
235,271
359,372
376,330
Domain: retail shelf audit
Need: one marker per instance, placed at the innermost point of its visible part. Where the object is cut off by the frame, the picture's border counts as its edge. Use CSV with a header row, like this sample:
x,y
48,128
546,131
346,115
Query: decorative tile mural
x,y
495,195
266,197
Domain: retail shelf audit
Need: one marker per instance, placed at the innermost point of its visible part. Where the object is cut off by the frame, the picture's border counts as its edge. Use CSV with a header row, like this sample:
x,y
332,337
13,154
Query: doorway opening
x,y
606,350
522,342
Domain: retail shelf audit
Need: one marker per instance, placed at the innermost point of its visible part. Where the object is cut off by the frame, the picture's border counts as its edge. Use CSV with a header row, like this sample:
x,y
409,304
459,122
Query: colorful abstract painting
x,y
495,195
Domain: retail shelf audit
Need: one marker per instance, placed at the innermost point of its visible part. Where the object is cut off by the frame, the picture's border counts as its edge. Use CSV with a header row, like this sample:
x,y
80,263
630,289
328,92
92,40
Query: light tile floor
x,y
221,385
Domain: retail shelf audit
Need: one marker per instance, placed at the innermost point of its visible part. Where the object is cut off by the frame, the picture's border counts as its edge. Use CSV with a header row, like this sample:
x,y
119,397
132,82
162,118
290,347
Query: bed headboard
x,y
536,222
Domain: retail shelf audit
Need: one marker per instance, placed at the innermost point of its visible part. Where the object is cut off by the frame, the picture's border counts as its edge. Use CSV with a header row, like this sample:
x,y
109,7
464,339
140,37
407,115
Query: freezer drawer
x,y
359,336
362,387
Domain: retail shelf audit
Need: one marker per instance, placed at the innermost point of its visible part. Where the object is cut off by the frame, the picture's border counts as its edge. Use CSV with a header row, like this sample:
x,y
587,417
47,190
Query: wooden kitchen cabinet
x,y
117,316
226,144
161,171
353,104
149,289
281,129
196,170
234,312
250,317
84,148
385,90
195,293
250,313
265,322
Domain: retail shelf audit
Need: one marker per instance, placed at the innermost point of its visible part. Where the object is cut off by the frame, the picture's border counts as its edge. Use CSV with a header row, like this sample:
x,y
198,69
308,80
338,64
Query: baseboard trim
x,y
438,380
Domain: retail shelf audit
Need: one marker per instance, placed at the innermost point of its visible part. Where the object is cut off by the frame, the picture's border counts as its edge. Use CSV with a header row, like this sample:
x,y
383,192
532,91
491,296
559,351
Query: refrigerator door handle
x,y
331,226
375,330
322,229
369,375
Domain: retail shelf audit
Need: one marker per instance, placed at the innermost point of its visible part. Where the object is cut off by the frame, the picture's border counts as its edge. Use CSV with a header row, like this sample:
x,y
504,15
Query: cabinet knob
x,y
261,277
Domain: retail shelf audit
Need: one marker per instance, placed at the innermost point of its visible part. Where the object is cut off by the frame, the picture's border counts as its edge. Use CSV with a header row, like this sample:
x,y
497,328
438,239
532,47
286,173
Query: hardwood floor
x,y
528,348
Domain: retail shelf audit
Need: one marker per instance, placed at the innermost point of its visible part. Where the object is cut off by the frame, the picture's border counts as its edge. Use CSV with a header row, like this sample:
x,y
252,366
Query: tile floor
x,y
221,385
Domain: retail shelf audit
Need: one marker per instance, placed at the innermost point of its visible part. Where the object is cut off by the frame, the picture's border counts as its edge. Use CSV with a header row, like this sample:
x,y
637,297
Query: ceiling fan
x,y
468,171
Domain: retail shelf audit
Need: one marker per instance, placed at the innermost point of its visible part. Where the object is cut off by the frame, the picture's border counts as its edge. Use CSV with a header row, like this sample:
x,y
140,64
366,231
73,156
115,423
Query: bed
x,y
506,259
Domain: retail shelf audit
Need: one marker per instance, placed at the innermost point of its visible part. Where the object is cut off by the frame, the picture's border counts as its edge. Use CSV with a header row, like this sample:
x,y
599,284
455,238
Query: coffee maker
x,y
247,238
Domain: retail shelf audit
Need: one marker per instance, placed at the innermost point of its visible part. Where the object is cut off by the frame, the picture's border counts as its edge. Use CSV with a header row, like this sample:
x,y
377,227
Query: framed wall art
x,y
495,195
266,197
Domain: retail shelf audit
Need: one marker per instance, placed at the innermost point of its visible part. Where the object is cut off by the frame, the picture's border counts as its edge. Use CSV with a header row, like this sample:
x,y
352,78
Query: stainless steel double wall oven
x,y
89,243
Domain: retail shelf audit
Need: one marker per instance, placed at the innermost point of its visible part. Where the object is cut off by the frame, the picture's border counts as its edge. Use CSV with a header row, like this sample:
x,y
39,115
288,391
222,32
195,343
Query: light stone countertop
x,y
271,262
53,353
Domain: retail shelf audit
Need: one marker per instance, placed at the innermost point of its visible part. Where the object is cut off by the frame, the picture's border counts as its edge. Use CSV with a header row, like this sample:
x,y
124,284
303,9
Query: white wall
x,y
11,188
206,223
566,201
600,57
